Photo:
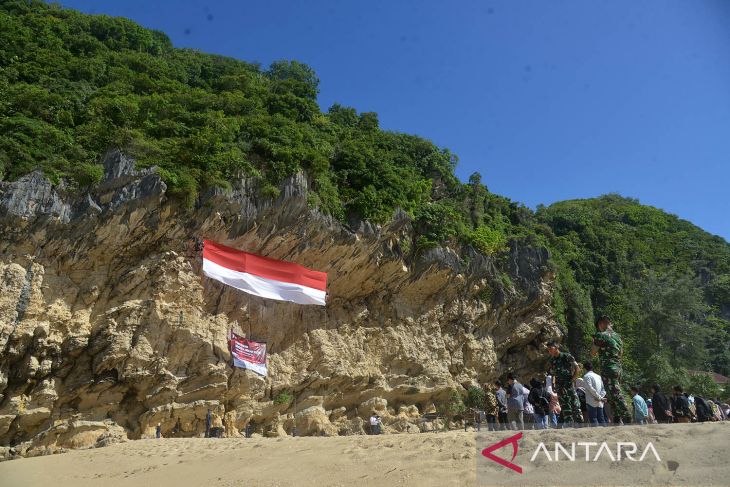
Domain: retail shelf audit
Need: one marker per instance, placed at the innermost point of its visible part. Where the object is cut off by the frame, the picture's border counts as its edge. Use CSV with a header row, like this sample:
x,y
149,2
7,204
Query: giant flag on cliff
x,y
264,277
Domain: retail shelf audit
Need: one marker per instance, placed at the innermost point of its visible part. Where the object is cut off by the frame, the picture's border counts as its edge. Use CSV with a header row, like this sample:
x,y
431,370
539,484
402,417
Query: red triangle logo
x,y
487,452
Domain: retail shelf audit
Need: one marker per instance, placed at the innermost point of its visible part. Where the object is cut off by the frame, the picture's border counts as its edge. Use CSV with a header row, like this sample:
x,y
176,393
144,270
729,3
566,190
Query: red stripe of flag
x,y
265,267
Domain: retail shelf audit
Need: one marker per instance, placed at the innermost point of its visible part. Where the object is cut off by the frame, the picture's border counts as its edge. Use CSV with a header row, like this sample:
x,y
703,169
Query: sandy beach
x,y
448,458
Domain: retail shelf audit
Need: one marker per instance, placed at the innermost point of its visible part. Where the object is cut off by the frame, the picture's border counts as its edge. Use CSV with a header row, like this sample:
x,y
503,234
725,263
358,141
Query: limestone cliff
x,y
108,328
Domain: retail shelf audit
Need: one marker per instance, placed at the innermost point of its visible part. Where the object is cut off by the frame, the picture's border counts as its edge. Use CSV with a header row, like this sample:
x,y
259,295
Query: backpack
x,y
544,401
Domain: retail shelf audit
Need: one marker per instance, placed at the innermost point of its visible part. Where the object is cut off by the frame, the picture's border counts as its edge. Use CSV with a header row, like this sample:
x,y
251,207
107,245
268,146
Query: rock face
x,y
108,328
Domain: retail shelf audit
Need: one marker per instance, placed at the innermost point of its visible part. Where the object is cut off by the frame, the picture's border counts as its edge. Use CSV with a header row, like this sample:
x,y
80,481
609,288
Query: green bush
x,y
284,397
475,397
453,406
488,240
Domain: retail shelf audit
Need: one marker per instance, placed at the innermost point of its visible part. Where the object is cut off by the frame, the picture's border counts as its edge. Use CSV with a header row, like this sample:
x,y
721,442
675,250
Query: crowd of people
x,y
565,398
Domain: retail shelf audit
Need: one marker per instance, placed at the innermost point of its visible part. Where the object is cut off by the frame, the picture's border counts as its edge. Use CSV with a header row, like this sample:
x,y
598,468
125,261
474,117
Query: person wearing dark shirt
x,y
680,406
541,406
661,405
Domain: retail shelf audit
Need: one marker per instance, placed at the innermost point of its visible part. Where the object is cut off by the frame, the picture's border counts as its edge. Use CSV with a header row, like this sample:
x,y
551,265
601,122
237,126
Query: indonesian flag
x,y
248,354
264,277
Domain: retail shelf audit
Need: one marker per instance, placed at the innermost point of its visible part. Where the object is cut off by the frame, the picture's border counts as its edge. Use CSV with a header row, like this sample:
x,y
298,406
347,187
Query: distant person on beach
x,y
564,369
540,400
501,395
528,412
595,395
641,410
680,406
609,347
491,408
158,431
723,416
208,423
515,403
651,419
216,430
661,405
374,424
554,410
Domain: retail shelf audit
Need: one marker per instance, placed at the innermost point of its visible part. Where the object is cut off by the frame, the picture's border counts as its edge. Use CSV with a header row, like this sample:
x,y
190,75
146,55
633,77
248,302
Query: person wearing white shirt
x,y
595,395
374,424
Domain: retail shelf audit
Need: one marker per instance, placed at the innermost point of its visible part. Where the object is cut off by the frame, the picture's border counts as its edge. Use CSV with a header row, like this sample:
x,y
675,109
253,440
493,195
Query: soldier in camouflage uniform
x,y
564,369
609,347
491,407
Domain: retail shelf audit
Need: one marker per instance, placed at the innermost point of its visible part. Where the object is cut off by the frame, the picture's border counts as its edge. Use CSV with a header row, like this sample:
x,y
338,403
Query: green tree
x,y
452,407
702,385
475,397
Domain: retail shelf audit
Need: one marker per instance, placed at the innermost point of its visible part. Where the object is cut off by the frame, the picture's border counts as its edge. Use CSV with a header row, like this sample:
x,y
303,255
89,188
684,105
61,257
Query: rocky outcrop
x,y
108,328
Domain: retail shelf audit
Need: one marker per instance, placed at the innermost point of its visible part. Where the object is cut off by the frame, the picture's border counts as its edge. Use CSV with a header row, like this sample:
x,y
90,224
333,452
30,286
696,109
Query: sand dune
x,y
407,459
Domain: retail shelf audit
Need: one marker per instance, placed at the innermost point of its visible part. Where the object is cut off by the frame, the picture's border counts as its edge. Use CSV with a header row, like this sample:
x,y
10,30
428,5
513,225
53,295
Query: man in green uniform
x,y
491,407
564,369
609,347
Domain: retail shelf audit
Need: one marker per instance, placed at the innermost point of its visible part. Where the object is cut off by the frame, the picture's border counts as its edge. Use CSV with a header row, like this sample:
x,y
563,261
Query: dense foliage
x,y
74,85
665,283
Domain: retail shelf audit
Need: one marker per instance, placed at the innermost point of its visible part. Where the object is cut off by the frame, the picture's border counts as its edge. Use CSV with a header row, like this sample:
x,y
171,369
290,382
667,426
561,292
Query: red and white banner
x,y
262,276
248,354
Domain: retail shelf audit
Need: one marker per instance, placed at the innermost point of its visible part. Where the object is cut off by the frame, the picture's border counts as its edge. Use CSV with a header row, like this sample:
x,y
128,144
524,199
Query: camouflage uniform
x,y
562,368
490,404
610,349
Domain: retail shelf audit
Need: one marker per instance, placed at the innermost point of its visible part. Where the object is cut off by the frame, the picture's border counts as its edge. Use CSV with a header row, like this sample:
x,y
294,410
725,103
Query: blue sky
x,y
547,100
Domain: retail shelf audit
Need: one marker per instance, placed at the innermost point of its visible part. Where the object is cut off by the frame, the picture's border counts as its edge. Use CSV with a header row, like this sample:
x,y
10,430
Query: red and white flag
x,y
264,277
248,354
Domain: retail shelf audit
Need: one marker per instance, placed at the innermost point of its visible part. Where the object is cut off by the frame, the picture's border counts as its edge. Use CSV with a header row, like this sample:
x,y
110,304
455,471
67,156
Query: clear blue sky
x,y
547,100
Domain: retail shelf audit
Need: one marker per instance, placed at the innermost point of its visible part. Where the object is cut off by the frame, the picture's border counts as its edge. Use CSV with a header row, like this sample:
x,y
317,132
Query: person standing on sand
x,y
609,347
564,369
374,424
554,410
661,405
515,403
158,431
528,412
680,406
595,395
540,400
651,419
208,423
641,410
217,426
501,395
491,408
